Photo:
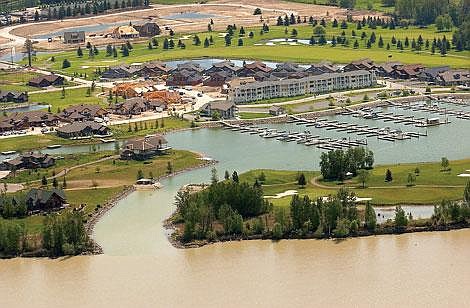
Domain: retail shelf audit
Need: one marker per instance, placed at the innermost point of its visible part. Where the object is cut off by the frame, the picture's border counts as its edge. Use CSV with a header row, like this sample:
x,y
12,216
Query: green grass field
x,y
69,160
126,171
72,97
148,127
300,53
16,81
432,185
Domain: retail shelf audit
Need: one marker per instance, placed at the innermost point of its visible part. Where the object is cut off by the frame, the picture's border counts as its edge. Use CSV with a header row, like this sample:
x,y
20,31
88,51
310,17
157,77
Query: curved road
x,y
18,41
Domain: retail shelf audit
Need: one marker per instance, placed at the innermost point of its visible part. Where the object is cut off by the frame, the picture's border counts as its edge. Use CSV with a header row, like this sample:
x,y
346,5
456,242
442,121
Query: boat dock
x,y
384,133
369,114
432,108
306,138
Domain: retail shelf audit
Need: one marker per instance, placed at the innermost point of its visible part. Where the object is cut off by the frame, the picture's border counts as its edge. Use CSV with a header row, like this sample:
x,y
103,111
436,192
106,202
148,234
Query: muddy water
x,y
428,269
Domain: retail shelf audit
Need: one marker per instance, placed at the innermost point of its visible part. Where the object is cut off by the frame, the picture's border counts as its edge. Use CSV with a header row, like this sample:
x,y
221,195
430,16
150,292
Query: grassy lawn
x,y
429,174
125,172
72,97
148,127
300,53
253,115
69,160
25,143
381,193
16,81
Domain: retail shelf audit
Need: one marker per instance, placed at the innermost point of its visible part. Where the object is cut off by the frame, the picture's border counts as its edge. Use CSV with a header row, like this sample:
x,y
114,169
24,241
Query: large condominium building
x,y
244,90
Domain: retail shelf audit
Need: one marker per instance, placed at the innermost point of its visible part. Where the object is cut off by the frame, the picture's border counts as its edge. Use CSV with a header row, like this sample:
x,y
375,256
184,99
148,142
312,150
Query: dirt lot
x,y
224,12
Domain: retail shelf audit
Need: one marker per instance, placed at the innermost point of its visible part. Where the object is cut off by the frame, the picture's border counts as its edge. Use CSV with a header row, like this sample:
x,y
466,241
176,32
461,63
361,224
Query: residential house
x,y
131,106
82,129
46,81
13,97
23,120
148,29
29,161
83,112
287,70
454,77
321,68
217,79
144,148
133,89
225,66
386,69
408,71
117,72
226,110
431,74
74,37
125,32
184,77
154,69
277,110
188,66
362,64
250,69
43,199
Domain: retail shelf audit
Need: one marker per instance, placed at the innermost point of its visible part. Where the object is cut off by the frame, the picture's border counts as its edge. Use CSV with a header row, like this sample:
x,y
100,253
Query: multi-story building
x,y
244,90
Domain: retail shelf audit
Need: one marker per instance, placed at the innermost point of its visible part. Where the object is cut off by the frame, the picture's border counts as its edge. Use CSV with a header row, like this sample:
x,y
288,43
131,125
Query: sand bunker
x,y
282,195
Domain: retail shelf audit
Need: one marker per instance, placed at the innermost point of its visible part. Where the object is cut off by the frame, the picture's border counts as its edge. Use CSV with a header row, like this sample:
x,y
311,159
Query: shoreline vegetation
x,y
27,236
215,212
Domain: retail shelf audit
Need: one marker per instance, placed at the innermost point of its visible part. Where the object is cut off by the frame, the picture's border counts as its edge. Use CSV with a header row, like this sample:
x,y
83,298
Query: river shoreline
x,y
310,236
90,224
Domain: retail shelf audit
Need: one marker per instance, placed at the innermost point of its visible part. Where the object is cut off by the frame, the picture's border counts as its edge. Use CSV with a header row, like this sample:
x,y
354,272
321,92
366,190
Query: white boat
x,y
107,140
8,152
54,146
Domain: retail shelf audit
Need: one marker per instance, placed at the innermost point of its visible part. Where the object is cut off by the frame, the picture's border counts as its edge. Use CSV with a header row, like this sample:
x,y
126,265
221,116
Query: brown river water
x,y
420,270
140,268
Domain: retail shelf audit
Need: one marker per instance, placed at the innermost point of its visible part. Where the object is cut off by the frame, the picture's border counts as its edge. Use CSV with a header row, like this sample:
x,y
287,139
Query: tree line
x,y
60,235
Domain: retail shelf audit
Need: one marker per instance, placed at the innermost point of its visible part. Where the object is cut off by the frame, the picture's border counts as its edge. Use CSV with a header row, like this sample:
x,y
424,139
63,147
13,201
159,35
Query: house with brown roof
x,y
83,112
250,69
46,81
131,106
226,110
144,148
74,37
321,68
184,77
431,74
407,71
225,66
288,70
217,79
83,129
23,120
362,64
454,77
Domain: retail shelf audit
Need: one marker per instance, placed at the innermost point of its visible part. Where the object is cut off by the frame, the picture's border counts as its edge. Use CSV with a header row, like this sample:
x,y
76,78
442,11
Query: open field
x,y
68,161
72,97
16,80
432,185
24,143
148,127
255,48
125,172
